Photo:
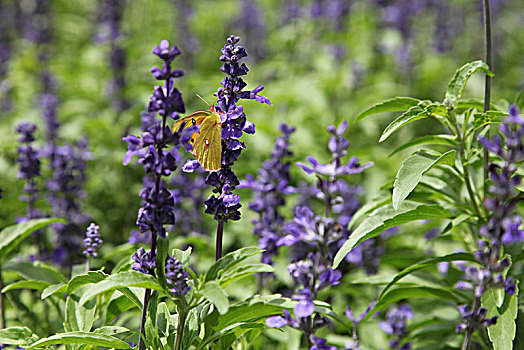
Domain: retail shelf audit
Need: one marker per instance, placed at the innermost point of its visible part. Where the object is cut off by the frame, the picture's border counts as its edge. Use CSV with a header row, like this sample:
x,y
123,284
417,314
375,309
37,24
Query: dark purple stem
x,y
220,234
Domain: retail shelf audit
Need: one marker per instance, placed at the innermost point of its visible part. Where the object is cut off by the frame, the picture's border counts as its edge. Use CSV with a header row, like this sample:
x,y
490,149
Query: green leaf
x,y
386,217
396,104
519,101
401,293
368,207
110,330
519,336
58,288
122,279
215,294
412,170
490,117
244,271
118,306
96,339
36,285
460,79
12,236
81,280
444,139
413,114
502,333
474,103
162,248
426,263
230,260
17,336
183,255
191,329
36,271
79,317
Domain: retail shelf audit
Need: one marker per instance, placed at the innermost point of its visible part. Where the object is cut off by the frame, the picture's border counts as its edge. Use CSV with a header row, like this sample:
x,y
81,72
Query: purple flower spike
x,y
93,241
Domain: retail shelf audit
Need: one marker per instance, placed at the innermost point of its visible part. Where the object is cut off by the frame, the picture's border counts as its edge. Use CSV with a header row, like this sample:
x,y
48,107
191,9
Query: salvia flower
x,y
396,326
29,161
93,241
144,262
503,224
176,276
269,191
223,204
158,203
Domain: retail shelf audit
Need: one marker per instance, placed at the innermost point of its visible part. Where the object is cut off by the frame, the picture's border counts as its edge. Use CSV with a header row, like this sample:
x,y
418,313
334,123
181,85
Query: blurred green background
x,y
321,62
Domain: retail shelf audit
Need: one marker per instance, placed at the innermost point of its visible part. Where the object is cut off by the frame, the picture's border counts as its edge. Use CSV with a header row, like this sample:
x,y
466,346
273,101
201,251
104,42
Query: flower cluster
x,y
502,226
269,190
157,201
29,161
317,233
176,276
93,241
144,261
396,326
224,205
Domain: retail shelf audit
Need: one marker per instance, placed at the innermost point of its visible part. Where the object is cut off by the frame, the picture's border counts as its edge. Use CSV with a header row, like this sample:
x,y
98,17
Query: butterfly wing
x,y
195,118
208,145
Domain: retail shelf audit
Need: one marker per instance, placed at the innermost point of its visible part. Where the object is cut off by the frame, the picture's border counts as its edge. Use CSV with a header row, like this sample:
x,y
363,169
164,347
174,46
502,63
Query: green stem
x,y
182,316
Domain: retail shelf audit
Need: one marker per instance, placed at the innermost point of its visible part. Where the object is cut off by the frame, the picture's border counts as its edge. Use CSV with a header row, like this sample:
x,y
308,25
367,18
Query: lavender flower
x,y
269,190
396,326
354,344
93,241
176,276
29,161
503,223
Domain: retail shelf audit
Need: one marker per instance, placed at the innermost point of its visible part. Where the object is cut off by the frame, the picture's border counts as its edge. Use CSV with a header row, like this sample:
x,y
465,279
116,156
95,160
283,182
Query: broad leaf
x,y
59,288
443,139
490,117
17,336
182,255
414,113
386,217
79,317
118,306
244,271
396,104
460,79
110,330
96,339
122,279
502,333
412,170
12,236
215,294
81,280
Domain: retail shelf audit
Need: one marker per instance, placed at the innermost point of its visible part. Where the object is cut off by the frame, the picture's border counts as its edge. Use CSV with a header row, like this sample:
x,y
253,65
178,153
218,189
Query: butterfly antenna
x,y
200,97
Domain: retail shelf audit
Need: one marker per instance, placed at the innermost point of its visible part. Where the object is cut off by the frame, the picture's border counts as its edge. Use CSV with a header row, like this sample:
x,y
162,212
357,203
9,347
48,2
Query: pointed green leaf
x,y
386,217
396,104
12,236
490,117
426,263
59,288
412,170
118,306
36,285
460,79
215,294
519,101
111,330
81,280
444,139
36,271
230,260
244,271
122,279
81,338
502,333
183,255
414,113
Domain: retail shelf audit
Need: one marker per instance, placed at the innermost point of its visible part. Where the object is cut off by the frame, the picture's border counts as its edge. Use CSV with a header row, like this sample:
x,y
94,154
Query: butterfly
x,y
207,143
